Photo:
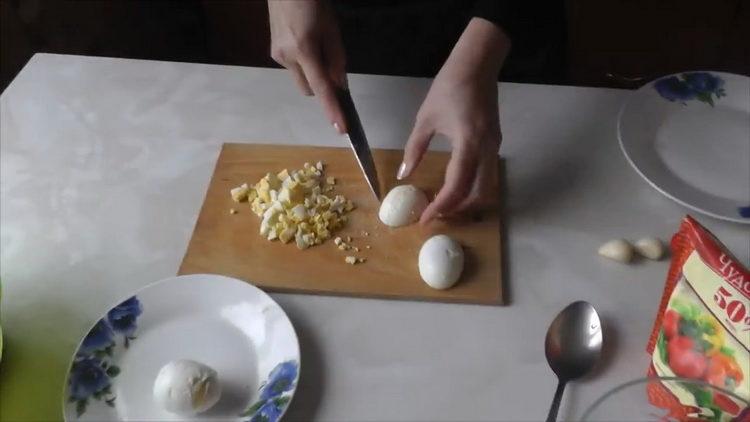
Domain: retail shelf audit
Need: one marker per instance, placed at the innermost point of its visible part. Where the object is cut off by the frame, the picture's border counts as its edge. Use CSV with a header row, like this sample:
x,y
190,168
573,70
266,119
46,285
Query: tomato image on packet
x,y
702,330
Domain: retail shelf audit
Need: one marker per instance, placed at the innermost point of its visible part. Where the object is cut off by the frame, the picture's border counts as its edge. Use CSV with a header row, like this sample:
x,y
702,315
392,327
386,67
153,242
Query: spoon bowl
x,y
573,346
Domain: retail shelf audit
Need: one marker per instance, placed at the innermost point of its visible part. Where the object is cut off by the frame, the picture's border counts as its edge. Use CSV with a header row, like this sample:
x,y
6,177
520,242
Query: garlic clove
x,y
650,247
617,249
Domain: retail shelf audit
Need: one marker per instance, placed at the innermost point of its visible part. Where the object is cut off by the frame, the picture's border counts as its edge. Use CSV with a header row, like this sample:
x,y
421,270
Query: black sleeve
x,y
536,29
500,12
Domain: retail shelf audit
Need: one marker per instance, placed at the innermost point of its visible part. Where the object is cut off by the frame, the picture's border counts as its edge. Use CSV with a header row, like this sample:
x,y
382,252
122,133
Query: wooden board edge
x,y
495,301
295,146
180,269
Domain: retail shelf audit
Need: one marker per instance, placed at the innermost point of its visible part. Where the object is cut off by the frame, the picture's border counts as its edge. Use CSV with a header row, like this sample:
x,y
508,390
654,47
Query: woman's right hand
x,y
305,39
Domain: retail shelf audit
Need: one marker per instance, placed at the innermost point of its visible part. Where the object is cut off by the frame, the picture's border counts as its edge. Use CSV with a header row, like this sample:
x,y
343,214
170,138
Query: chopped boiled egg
x,y
294,205
240,193
287,234
352,260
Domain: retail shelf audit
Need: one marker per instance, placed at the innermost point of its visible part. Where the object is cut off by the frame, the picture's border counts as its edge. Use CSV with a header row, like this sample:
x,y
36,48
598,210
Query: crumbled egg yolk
x,y
352,260
344,244
240,193
293,205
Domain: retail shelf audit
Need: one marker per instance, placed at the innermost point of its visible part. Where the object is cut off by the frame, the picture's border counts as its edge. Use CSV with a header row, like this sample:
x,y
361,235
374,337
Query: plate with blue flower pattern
x,y
225,323
688,135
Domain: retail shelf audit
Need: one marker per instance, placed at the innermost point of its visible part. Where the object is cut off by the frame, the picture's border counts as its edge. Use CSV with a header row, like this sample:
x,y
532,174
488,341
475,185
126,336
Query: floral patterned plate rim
x,y
225,323
688,135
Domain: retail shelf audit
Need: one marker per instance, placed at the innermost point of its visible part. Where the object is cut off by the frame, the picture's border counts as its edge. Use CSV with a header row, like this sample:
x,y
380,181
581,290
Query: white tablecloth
x,y
104,164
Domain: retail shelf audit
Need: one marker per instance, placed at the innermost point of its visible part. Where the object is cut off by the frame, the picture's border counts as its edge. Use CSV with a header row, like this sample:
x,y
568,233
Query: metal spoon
x,y
573,345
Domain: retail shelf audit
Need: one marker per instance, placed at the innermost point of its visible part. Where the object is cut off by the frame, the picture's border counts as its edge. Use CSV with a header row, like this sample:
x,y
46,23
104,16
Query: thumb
x,y
416,146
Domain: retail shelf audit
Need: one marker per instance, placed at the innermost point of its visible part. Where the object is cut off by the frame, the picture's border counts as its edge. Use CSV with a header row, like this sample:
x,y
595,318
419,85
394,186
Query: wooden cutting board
x,y
230,244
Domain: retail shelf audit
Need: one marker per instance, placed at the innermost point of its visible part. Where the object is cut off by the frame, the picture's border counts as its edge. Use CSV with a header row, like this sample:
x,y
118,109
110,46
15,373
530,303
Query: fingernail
x,y
338,128
401,172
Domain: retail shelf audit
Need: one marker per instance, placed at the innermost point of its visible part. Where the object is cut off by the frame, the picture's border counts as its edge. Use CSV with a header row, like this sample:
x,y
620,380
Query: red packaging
x,y
702,330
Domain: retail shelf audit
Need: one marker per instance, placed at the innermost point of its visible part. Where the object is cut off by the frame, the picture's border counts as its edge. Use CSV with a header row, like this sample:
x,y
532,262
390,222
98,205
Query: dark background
x,y
615,43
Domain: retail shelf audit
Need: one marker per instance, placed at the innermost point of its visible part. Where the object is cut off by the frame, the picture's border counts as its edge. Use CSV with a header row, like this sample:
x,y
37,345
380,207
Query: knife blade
x,y
358,140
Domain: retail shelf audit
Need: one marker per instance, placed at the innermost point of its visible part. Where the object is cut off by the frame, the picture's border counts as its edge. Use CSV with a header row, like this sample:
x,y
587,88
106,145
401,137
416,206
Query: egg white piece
x,y
441,262
402,206
186,387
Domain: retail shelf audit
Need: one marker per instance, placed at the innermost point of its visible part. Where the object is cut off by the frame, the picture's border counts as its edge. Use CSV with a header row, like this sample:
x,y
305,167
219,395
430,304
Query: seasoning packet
x,y
702,330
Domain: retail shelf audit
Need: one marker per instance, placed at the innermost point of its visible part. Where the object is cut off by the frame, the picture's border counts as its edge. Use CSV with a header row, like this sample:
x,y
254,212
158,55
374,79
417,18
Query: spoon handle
x,y
552,415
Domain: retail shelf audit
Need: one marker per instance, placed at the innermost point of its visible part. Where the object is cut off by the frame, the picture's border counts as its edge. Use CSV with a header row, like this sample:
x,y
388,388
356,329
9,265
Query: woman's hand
x,y
305,39
462,105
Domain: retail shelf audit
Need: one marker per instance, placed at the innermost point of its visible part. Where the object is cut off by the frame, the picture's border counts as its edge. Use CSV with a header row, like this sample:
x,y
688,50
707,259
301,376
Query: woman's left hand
x,y
462,104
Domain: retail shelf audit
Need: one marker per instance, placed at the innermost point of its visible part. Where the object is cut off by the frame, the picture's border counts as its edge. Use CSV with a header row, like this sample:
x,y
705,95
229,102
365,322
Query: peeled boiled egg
x,y
186,387
402,206
441,261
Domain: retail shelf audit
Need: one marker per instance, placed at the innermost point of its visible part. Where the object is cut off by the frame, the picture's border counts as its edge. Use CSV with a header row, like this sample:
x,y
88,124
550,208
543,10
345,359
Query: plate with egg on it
x,y
195,347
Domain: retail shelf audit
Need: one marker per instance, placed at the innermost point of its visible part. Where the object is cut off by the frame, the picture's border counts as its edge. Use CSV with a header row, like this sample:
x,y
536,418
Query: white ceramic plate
x,y
222,322
688,135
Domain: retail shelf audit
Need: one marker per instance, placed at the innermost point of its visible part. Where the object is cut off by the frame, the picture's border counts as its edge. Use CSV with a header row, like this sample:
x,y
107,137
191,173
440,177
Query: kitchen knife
x,y
358,140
